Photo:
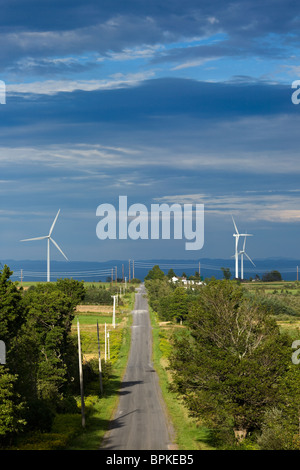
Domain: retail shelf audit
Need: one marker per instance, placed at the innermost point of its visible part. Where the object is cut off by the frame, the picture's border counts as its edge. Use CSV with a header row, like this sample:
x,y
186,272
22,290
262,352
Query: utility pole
x,y
21,277
129,272
123,272
114,312
125,284
99,355
297,273
133,269
116,275
108,346
81,376
199,270
112,276
105,355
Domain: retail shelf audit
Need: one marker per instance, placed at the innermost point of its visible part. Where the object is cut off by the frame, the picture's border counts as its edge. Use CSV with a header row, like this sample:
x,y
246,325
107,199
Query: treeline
x,y
40,377
231,364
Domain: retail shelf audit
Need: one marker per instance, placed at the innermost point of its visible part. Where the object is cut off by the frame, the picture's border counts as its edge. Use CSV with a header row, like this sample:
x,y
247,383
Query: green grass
x,y
92,319
188,434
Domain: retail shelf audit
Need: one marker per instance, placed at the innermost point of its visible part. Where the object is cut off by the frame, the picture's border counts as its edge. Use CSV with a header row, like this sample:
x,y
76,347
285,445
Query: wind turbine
x,y
237,235
48,238
242,253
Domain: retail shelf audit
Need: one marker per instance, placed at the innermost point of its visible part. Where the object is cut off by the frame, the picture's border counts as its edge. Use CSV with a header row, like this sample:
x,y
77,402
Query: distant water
x,y
31,270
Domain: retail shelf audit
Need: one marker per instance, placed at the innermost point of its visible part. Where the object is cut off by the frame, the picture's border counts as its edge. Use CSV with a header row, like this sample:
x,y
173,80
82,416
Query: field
x,y
287,295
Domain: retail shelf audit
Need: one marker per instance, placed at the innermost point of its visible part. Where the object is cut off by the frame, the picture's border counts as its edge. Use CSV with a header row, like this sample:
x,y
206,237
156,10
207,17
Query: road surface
x,y
140,422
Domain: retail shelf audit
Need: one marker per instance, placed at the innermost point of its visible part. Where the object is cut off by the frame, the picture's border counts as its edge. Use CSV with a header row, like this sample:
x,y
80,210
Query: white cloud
x,y
51,87
193,63
270,207
135,53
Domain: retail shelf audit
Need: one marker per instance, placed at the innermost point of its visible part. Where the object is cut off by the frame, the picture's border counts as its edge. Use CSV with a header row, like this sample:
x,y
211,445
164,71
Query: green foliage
x,y
36,326
272,276
73,289
273,305
169,301
276,432
12,313
11,409
228,365
178,306
164,345
98,295
155,273
226,273
171,274
158,290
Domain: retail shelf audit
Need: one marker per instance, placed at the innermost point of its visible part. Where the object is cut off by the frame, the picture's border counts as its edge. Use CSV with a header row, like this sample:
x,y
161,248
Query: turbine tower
x,y
242,253
237,235
48,238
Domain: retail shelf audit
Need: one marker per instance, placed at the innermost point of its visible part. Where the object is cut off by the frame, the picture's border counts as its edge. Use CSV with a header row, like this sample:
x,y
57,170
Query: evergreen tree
x,y
155,273
12,312
228,364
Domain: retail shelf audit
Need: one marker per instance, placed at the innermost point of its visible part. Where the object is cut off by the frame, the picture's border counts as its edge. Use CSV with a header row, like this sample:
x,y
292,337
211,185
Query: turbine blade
x,y
235,225
54,222
249,259
244,245
37,238
54,242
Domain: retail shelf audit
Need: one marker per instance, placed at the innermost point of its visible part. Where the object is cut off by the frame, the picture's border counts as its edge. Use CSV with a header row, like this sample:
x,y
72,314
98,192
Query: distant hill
x,y
35,270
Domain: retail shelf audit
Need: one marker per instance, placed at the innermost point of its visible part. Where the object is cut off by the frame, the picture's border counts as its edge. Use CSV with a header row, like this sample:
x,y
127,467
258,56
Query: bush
x,y
275,434
98,295
40,415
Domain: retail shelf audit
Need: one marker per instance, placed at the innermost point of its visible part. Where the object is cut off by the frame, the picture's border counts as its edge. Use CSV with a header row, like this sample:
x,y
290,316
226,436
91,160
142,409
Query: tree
x,y
11,408
155,273
272,276
227,365
73,289
157,291
44,343
171,274
12,312
226,273
178,308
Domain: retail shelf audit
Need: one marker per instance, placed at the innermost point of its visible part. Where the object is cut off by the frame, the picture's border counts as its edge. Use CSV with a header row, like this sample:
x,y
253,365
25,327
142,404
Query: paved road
x,y
140,422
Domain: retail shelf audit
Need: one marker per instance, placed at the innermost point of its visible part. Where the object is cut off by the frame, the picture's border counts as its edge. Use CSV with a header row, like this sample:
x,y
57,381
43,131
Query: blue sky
x,y
176,102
